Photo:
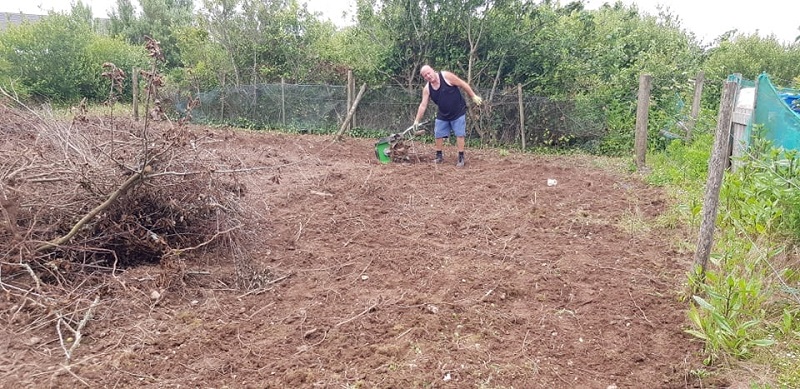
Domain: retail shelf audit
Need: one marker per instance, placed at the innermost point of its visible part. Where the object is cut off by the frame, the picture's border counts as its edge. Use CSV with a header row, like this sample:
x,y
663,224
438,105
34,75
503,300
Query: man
x,y
444,88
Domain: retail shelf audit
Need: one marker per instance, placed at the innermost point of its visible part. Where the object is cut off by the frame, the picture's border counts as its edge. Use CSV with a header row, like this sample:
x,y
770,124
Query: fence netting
x,y
390,109
778,110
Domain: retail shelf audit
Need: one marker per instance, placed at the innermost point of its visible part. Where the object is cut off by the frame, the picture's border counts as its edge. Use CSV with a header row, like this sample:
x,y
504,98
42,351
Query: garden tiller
x,y
397,147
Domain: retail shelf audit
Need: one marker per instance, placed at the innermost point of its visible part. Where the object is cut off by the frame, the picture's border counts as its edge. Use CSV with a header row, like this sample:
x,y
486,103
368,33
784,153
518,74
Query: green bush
x,y
102,49
48,57
60,58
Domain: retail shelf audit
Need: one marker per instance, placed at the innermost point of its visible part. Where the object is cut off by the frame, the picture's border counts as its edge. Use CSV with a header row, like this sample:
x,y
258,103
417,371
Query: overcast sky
x,y
709,19
706,18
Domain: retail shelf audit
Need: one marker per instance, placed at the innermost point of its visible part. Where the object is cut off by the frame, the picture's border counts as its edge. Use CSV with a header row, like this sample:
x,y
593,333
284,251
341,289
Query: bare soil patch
x,y
410,275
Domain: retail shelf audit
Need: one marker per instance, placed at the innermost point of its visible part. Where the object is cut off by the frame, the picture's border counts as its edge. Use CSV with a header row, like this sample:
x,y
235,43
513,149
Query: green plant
x,y
360,132
700,373
728,319
763,195
682,164
789,324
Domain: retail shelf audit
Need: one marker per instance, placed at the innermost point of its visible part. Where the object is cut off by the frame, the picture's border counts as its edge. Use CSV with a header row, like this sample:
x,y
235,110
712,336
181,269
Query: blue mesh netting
x,y
778,110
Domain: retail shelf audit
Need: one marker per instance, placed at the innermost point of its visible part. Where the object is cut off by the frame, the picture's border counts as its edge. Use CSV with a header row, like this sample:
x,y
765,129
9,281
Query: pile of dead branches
x,y
82,199
110,193
91,195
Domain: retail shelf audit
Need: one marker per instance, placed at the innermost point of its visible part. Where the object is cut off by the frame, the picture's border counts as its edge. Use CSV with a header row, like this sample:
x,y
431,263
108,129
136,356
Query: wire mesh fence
x,y
390,109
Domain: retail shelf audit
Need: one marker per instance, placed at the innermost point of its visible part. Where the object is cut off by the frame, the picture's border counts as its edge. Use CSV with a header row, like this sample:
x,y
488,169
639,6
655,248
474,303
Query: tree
x,y
403,35
59,58
750,55
265,40
219,18
159,19
205,64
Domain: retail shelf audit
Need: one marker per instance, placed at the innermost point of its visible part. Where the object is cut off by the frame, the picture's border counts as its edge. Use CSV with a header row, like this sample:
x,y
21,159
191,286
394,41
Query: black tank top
x,y
449,100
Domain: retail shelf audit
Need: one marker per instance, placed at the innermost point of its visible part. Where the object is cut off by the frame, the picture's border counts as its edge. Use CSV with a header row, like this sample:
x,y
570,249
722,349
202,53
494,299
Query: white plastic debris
x,y
552,182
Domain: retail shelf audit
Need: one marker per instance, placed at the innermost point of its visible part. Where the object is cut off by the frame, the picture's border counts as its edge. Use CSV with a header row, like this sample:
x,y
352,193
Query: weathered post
x,y
521,116
698,96
353,91
283,101
135,87
222,99
642,111
350,92
350,113
716,169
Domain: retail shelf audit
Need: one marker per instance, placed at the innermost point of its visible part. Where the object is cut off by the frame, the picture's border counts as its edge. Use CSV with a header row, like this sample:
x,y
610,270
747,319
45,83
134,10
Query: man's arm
x,y
455,80
423,105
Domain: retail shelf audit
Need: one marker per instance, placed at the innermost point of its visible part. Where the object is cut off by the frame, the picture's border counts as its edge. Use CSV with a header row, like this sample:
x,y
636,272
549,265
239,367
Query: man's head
x,y
428,73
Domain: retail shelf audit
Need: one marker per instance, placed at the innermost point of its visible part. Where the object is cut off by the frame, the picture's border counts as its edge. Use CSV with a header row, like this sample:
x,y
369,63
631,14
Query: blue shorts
x,y
458,126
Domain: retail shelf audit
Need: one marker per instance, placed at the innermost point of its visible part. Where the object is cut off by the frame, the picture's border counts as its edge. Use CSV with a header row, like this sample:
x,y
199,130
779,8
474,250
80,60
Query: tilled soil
x,y
405,275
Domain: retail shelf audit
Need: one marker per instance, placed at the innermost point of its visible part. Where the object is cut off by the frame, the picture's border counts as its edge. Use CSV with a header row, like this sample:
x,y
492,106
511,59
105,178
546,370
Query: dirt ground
x,y
405,275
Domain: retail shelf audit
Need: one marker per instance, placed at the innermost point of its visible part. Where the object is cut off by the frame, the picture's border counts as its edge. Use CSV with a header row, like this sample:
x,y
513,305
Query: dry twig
x,y
77,333
369,309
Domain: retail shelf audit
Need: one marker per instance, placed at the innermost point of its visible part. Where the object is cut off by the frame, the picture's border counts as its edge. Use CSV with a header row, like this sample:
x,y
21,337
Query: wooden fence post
x,y
222,99
352,82
350,93
283,101
716,169
521,116
698,95
642,110
135,88
350,113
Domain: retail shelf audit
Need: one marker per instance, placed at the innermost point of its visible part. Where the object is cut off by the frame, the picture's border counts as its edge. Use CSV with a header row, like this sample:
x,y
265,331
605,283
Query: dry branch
x,y
77,333
94,212
33,276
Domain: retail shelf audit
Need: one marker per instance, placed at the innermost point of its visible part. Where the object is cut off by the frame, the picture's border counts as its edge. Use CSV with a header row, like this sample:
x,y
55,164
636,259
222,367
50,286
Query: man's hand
x,y
477,100
417,130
